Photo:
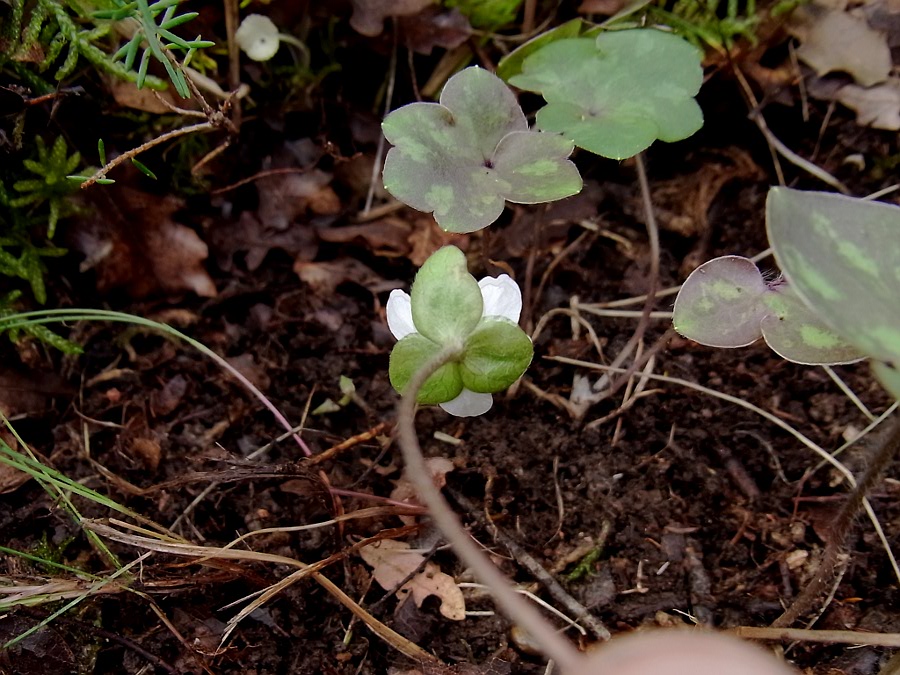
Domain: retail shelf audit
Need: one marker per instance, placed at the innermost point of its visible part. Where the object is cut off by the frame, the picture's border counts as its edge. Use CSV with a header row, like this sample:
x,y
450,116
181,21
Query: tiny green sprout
x,y
475,322
259,39
617,93
465,157
726,302
51,168
842,256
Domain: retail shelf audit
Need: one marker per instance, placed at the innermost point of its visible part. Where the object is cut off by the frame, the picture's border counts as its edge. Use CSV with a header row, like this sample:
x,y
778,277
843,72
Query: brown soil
x,y
710,510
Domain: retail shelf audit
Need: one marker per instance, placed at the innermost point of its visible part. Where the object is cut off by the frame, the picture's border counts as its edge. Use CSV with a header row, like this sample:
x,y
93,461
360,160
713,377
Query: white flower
x,y
502,298
258,37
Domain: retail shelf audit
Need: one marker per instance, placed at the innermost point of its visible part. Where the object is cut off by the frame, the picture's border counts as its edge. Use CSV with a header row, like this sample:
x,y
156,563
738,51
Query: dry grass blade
x,y
175,547
848,637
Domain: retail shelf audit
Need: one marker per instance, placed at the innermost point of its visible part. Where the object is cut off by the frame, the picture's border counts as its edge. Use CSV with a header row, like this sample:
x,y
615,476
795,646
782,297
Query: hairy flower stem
x,y
841,529
511,603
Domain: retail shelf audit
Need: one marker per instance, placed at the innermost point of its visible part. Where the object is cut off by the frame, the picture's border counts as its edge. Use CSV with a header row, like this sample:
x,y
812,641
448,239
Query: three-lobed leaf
x,y
463,158
616,94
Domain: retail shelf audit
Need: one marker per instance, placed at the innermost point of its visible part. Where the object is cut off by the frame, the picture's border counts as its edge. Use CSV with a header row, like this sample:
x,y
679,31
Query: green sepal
x,y
446,299
497,353
409,356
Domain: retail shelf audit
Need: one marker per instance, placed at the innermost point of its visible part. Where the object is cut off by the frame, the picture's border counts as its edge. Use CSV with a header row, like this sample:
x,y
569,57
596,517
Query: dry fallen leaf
x,y
405,491
369,15
132,242
325,277
427,237
433,27
145,99
388,237
877,107
392,562
249,236
285,197
833,40
437,467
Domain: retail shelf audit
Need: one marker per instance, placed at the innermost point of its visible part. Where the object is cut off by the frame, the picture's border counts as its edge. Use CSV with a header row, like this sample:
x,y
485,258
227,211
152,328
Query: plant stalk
x,y
510,603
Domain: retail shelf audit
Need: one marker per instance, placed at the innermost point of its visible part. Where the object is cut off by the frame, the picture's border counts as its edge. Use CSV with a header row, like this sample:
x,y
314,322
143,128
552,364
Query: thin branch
x,y
134,152
846,637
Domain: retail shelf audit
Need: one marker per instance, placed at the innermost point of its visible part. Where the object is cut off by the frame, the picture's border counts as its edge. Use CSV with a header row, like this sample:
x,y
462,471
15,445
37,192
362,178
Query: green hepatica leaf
x,y
446,300
464,157
795,333
616,94
497,353
409,355
727,303
720,305
842,255
511,64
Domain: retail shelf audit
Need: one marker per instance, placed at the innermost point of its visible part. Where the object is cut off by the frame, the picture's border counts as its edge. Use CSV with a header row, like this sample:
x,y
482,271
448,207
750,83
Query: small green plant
x,y
711,23
617,93
51,168
464,157
154,27
474,323
837,301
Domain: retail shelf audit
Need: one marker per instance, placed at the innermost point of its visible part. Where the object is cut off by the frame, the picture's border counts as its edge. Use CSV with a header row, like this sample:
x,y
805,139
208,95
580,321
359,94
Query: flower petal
x,y
502,297
399,314
469,404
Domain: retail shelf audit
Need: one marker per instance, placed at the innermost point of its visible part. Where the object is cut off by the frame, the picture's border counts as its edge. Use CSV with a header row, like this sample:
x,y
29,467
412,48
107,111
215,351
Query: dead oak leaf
x,y
250,237
387,237
877,107
324,277
393,561
285,197
405,491
132,242
369,15
833,40
433,27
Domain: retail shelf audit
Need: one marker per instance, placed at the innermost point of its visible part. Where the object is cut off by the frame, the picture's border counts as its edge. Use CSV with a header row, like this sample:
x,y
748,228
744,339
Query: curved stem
x,y
511,603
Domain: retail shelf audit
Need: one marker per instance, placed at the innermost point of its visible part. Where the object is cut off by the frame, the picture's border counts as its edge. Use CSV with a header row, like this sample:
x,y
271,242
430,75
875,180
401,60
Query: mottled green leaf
x,y
446,300
617,94
720,305
453,158
726,302
842,255
409,355
497,353
795,333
